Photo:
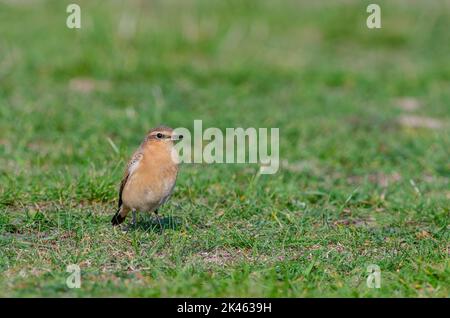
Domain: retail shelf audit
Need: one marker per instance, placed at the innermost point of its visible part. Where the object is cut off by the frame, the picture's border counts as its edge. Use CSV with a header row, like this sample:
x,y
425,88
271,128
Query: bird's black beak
x,y
177,137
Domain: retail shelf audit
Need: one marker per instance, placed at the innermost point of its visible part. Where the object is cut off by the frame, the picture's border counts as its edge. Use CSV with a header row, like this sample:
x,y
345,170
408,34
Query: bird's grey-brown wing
x,y
131,167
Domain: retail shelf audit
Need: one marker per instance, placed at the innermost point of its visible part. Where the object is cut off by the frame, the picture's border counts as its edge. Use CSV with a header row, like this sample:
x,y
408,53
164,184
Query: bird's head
x,y
160,142
162,134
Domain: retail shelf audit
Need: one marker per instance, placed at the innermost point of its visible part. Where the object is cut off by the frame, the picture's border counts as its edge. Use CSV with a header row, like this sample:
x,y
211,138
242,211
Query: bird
x,y
150,175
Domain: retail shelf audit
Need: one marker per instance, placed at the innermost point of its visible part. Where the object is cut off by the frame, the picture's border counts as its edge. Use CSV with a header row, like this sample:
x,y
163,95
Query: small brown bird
x,y
150,175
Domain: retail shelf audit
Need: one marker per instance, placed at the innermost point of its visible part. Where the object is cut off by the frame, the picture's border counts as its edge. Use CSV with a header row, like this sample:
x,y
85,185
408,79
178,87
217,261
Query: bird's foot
x,y
129,227
132,225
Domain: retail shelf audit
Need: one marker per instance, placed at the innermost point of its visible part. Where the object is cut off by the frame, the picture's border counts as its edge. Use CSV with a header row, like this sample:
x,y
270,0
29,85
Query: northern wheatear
x,y
150,175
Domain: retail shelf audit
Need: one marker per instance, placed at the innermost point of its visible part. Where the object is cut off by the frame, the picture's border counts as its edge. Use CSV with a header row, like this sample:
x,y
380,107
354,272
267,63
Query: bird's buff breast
x,y
147,191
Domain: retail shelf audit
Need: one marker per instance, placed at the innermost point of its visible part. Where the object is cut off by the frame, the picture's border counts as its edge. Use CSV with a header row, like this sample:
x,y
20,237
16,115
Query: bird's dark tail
x,y
117,218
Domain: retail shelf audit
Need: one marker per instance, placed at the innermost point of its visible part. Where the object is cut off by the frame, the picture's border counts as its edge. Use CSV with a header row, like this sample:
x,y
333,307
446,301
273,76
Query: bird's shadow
x,y
158,225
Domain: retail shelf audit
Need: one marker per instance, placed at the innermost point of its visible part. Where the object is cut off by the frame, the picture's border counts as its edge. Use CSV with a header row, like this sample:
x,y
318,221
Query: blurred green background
x,y
364,142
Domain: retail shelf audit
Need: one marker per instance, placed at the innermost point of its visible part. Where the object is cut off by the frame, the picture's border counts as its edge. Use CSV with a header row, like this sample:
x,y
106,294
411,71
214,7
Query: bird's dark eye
x,y
159,135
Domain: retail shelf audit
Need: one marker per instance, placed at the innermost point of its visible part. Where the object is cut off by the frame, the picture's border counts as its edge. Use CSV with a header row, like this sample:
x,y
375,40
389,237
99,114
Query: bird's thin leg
x,y
159,220
134,218
133,222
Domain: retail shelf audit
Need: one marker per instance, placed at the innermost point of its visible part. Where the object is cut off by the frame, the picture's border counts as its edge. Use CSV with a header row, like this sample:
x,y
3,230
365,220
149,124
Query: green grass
x,y
358,185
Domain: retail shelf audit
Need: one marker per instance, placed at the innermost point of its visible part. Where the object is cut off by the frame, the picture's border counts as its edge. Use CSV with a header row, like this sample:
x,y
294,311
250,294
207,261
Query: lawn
x,y
364,119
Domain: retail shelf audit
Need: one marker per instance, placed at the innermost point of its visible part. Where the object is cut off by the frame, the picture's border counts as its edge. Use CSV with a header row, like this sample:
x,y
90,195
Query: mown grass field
x,y
364,118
